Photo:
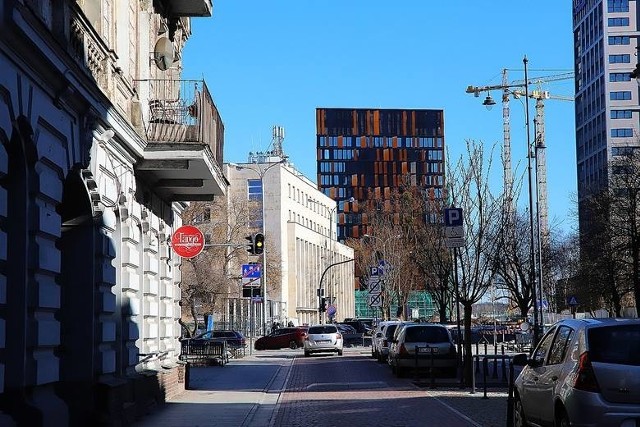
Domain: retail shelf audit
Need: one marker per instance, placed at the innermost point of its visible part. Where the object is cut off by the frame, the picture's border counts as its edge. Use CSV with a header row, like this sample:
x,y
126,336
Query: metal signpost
x,y
374,287
454,238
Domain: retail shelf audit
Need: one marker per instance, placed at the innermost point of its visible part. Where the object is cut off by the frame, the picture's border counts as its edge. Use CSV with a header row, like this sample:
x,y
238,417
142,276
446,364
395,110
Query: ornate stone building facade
x,y
101,146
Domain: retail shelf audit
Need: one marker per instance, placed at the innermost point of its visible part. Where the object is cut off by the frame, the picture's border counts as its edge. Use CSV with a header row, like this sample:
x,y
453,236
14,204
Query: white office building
x,y
300,229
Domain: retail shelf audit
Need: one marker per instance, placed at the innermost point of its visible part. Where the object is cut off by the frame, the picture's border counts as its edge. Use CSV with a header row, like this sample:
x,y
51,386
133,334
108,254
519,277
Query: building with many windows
x,y
363,154
102,145
299,228
607,98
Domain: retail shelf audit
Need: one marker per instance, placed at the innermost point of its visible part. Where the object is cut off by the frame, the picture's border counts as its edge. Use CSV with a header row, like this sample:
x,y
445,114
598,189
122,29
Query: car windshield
x,y
426,334
326,329
615,344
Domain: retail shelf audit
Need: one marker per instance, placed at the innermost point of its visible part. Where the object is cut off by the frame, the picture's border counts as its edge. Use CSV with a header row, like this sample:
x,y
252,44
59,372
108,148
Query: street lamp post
x,y
532,252
330,247
261,173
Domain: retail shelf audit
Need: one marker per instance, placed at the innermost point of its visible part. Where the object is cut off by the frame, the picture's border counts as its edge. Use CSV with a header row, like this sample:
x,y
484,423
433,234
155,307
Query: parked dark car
x,y
233,339
361,326
350,336
282,338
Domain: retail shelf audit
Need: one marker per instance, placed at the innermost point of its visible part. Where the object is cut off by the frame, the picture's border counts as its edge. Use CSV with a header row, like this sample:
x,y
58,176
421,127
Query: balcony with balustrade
x,y
185,134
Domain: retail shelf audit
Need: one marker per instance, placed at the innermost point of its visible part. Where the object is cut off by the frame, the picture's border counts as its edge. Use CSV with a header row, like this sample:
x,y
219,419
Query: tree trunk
x,y
468,355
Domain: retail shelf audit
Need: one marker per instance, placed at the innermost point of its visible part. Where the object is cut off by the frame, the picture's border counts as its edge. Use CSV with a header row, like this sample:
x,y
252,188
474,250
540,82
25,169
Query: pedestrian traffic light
x,y
250,245
258,243
323,305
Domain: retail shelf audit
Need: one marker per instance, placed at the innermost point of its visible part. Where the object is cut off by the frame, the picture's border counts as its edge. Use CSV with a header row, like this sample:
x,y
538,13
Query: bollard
x,y
485,348
495,368
187,376
504,369
477,358
416,365
485,368
473,376
433,380
510,396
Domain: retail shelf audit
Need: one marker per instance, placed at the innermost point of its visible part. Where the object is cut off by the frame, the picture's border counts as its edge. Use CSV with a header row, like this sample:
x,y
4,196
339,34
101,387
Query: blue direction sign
x,y
251,271
572,300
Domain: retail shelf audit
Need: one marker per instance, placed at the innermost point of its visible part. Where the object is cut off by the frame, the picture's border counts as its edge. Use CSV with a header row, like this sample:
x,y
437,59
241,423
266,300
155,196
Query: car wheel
x,y
293,345
562,419
259,347
519,419
307,354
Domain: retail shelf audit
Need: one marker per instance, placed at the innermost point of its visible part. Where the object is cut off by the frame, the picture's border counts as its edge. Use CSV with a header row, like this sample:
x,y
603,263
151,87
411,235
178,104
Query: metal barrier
x,y
209,352
504,359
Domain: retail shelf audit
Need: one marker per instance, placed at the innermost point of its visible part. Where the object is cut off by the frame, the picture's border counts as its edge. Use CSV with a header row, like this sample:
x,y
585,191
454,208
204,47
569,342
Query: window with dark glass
x,y
619,40
617,6
623,95
621,133
618,22
619,77
621,114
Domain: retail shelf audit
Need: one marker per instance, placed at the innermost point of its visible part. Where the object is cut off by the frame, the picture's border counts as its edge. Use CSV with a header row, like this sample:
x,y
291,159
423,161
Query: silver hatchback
x,y
323,338
583,372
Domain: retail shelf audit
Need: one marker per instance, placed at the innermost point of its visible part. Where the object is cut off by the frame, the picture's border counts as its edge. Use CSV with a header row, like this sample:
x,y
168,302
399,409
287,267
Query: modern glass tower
x,y
607,99
363,151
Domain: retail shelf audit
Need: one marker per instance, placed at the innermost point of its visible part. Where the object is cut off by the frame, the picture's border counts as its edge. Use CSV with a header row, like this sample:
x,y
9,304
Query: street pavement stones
x,y
265,390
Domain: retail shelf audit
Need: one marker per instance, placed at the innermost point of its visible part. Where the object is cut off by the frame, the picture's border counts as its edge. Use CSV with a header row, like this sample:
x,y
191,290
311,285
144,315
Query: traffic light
x,y
323,305
258,243
251,244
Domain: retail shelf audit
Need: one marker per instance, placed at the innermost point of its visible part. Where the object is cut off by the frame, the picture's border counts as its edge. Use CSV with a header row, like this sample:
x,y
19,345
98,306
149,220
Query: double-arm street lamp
x,y
330,246
261,172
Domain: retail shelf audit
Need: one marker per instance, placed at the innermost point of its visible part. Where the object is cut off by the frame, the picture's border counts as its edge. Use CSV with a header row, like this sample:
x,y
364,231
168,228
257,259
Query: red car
x,y
282,338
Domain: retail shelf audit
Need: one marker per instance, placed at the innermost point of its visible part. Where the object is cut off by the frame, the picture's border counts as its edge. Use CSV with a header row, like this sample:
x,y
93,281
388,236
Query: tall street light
x,y
261,173
532,252
331,239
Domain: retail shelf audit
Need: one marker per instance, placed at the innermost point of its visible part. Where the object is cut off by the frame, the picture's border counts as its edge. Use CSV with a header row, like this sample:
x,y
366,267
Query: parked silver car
x,y
423,346
583,372
323,338
382,340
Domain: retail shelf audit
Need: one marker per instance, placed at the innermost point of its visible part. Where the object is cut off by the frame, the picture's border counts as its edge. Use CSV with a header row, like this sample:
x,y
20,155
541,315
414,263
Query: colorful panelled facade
x,y
363,154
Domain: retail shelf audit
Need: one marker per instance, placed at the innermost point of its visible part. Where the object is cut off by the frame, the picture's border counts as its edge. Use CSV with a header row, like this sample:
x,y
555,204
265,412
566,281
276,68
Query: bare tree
x,y
214,275
469,180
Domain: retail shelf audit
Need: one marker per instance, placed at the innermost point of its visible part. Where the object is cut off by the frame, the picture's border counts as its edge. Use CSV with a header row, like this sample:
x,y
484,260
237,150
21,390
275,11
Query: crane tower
x,y
538,150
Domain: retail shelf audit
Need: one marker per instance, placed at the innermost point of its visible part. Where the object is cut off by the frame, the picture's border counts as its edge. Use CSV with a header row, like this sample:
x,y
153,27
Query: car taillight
x,y
338,336
402,350
585,377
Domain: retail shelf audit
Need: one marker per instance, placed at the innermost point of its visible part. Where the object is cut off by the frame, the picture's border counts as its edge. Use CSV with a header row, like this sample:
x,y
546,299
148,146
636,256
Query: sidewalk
x,y
242,393
247,391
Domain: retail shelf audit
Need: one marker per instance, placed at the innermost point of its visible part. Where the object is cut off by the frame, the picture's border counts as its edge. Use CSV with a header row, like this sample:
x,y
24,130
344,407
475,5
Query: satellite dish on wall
x,y
163,53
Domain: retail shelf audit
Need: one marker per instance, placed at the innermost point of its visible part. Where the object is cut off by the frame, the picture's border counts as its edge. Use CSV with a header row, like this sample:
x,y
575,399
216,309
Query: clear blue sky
x,y
274,62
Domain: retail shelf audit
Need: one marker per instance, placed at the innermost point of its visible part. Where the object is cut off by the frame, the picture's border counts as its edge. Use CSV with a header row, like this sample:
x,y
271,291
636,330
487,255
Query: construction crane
x,y
514,89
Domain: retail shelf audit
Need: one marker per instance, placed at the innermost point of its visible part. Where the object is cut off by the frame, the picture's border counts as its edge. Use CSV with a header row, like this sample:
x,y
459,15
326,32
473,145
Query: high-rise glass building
x,y
364,153
607,99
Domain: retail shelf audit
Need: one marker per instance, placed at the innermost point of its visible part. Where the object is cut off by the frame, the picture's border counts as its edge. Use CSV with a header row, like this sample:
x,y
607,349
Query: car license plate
x,y
427,350
323,341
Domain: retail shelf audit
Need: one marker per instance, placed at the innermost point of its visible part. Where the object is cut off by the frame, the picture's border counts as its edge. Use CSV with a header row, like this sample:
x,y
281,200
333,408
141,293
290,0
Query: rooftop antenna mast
x,y
277,139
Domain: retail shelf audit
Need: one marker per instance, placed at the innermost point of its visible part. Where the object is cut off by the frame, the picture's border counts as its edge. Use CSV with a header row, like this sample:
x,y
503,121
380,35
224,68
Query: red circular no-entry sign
x,y
187,241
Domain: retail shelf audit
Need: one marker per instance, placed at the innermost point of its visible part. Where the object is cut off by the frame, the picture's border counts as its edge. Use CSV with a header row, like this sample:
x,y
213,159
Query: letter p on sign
x,y
453,217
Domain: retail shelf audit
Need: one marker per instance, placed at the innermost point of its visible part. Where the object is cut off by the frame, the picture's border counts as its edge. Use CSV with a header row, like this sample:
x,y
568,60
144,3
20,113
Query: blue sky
x,y
274,62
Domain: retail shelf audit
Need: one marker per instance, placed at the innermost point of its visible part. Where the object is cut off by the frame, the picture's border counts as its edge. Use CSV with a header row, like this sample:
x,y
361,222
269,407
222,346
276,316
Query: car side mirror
x,y
379,335
520,359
